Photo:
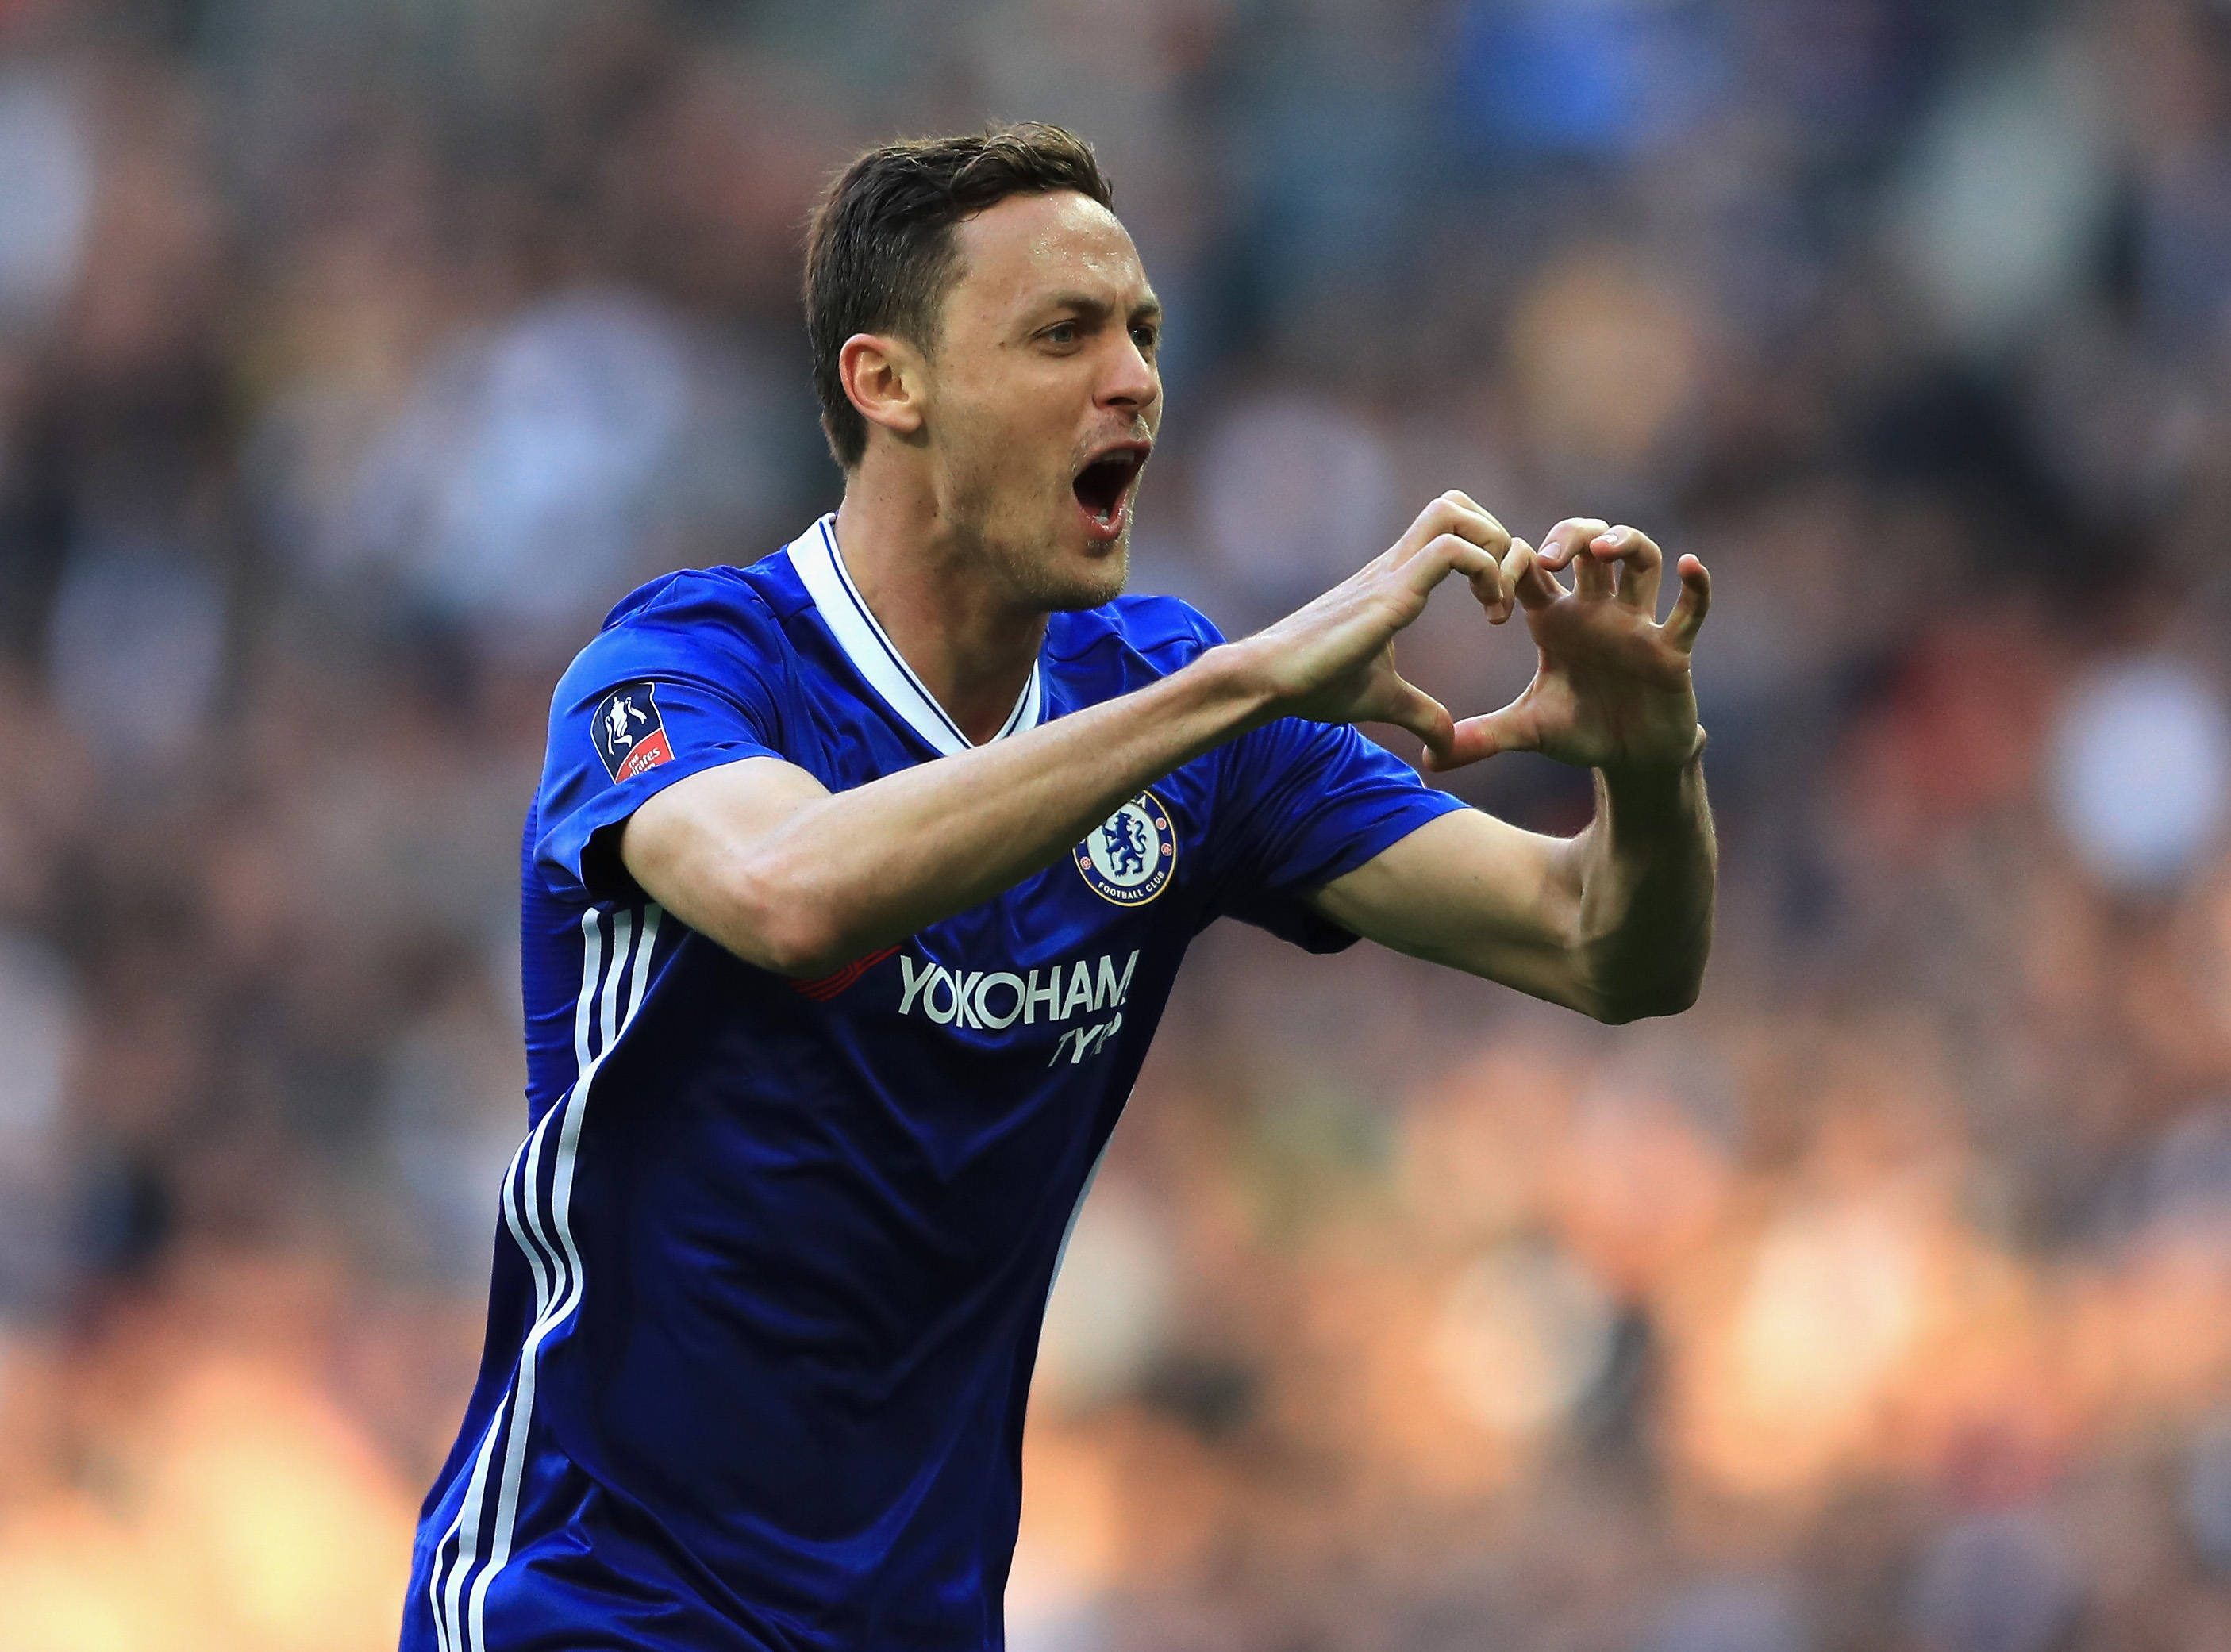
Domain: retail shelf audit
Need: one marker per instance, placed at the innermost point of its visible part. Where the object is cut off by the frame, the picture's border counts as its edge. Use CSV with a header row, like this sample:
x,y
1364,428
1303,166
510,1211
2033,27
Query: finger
x,y
1538,587
1560,543
1690,609
1567,545
1451,512
1435,561
1412,707
1533,585
1515,571
1642,563
1511,729
1424,528
1592,575
1474,521
1493,591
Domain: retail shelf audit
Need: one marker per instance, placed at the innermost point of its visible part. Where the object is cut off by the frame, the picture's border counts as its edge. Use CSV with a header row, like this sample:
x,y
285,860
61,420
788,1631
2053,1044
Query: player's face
x,y
1044,396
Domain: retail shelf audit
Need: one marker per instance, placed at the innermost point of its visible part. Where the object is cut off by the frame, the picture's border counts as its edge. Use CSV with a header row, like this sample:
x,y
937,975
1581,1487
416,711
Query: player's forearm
x,y
1647,872
853,871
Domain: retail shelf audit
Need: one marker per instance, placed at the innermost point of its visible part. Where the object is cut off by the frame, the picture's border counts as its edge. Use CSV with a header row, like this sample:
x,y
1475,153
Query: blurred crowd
x,y
355,358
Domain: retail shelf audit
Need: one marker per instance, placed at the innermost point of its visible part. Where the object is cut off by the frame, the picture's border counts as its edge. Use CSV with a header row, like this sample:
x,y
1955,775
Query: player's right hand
x,y
1333,662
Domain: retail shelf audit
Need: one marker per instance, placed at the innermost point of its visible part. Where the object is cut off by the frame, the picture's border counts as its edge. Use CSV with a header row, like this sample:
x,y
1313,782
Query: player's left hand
x,y
1611,689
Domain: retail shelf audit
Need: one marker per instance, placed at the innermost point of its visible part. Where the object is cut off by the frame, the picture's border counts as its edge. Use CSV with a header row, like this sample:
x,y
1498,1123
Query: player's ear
x,y
883,377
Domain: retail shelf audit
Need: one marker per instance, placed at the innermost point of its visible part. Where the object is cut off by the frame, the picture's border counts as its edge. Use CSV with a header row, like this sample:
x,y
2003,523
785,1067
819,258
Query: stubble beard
x,y
1036,574
1040,584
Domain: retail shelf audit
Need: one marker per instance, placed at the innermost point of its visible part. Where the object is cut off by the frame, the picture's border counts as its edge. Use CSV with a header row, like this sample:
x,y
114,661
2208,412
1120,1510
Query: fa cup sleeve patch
x,y
629,735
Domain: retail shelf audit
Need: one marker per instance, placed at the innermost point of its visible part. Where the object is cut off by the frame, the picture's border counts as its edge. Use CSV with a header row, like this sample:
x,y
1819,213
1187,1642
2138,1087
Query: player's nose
x,y
1130,380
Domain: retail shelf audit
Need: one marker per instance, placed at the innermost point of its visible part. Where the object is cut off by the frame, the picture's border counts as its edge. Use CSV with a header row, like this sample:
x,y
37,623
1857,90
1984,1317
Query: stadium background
x,y
355,354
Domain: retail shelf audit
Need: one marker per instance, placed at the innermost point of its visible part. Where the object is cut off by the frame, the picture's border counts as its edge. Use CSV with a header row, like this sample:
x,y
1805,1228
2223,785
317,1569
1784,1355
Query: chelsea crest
x,y
1128,858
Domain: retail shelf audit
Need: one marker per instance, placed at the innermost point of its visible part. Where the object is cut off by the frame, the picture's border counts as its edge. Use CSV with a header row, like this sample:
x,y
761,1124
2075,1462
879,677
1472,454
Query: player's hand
x,y
1611,689
1333,662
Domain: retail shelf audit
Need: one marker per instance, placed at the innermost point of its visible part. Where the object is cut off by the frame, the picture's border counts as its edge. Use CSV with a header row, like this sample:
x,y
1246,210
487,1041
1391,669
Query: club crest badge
x,y
1128,858
629,735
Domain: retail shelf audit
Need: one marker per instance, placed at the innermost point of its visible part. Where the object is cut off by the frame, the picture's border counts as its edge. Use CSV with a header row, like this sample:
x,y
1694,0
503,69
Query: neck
x,y
939,598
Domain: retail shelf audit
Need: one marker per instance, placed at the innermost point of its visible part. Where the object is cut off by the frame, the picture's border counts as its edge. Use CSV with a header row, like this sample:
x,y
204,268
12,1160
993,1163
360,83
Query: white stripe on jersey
x,y
444,1636
820,568
466,1528
558,1280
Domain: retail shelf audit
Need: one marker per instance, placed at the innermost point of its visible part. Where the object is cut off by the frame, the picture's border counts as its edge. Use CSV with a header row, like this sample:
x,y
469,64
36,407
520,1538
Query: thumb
x,y
1511,729
1410,707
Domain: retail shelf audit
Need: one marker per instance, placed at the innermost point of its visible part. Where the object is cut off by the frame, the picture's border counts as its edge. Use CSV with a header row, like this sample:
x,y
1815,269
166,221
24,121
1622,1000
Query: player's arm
x,y
1617,922
792,877
759,855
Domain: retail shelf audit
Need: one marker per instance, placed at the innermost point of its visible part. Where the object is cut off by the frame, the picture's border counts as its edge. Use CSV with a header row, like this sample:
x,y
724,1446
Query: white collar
x,y
821,568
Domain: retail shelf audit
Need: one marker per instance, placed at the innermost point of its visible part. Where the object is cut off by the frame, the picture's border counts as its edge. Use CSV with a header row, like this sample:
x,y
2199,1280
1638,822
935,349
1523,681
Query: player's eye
x,y
1062,332
1145,338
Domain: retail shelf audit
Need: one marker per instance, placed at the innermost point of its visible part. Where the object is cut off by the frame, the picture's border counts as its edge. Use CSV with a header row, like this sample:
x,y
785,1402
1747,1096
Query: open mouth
x,y
1105,485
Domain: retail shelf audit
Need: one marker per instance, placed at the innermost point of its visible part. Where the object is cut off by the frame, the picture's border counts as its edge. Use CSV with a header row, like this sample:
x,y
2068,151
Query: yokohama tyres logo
x,y
994,1000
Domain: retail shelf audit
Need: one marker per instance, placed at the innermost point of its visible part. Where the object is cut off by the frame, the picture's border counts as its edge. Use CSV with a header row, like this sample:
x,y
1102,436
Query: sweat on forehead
x,y
1048,247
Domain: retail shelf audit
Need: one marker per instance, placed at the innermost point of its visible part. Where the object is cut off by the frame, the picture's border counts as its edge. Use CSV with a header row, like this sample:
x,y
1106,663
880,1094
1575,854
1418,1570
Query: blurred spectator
x,y
1107,1318
2142,778
2004,213
39,1024
47,170
137,644
1730,1616
1525,1335
1993,1583
589,442
1291,483
1608,78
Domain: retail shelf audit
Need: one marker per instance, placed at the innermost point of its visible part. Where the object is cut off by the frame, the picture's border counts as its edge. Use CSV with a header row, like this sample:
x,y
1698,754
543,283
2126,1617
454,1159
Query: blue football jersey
x,y
772,1261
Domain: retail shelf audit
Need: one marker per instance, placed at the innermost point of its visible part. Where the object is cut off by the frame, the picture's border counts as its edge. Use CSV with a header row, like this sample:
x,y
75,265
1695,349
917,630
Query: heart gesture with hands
x,y
1611,689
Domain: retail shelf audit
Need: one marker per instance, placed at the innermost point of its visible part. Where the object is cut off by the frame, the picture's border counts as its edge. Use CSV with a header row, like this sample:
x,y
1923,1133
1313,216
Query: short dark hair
x,y
880,252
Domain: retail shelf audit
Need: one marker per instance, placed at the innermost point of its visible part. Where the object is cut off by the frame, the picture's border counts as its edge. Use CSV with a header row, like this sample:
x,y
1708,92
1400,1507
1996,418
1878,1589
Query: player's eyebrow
x,y
1088,307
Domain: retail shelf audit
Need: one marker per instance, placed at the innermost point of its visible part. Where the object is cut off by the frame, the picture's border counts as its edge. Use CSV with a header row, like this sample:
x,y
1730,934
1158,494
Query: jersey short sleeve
x,y
1297,805
686,676
1308,803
